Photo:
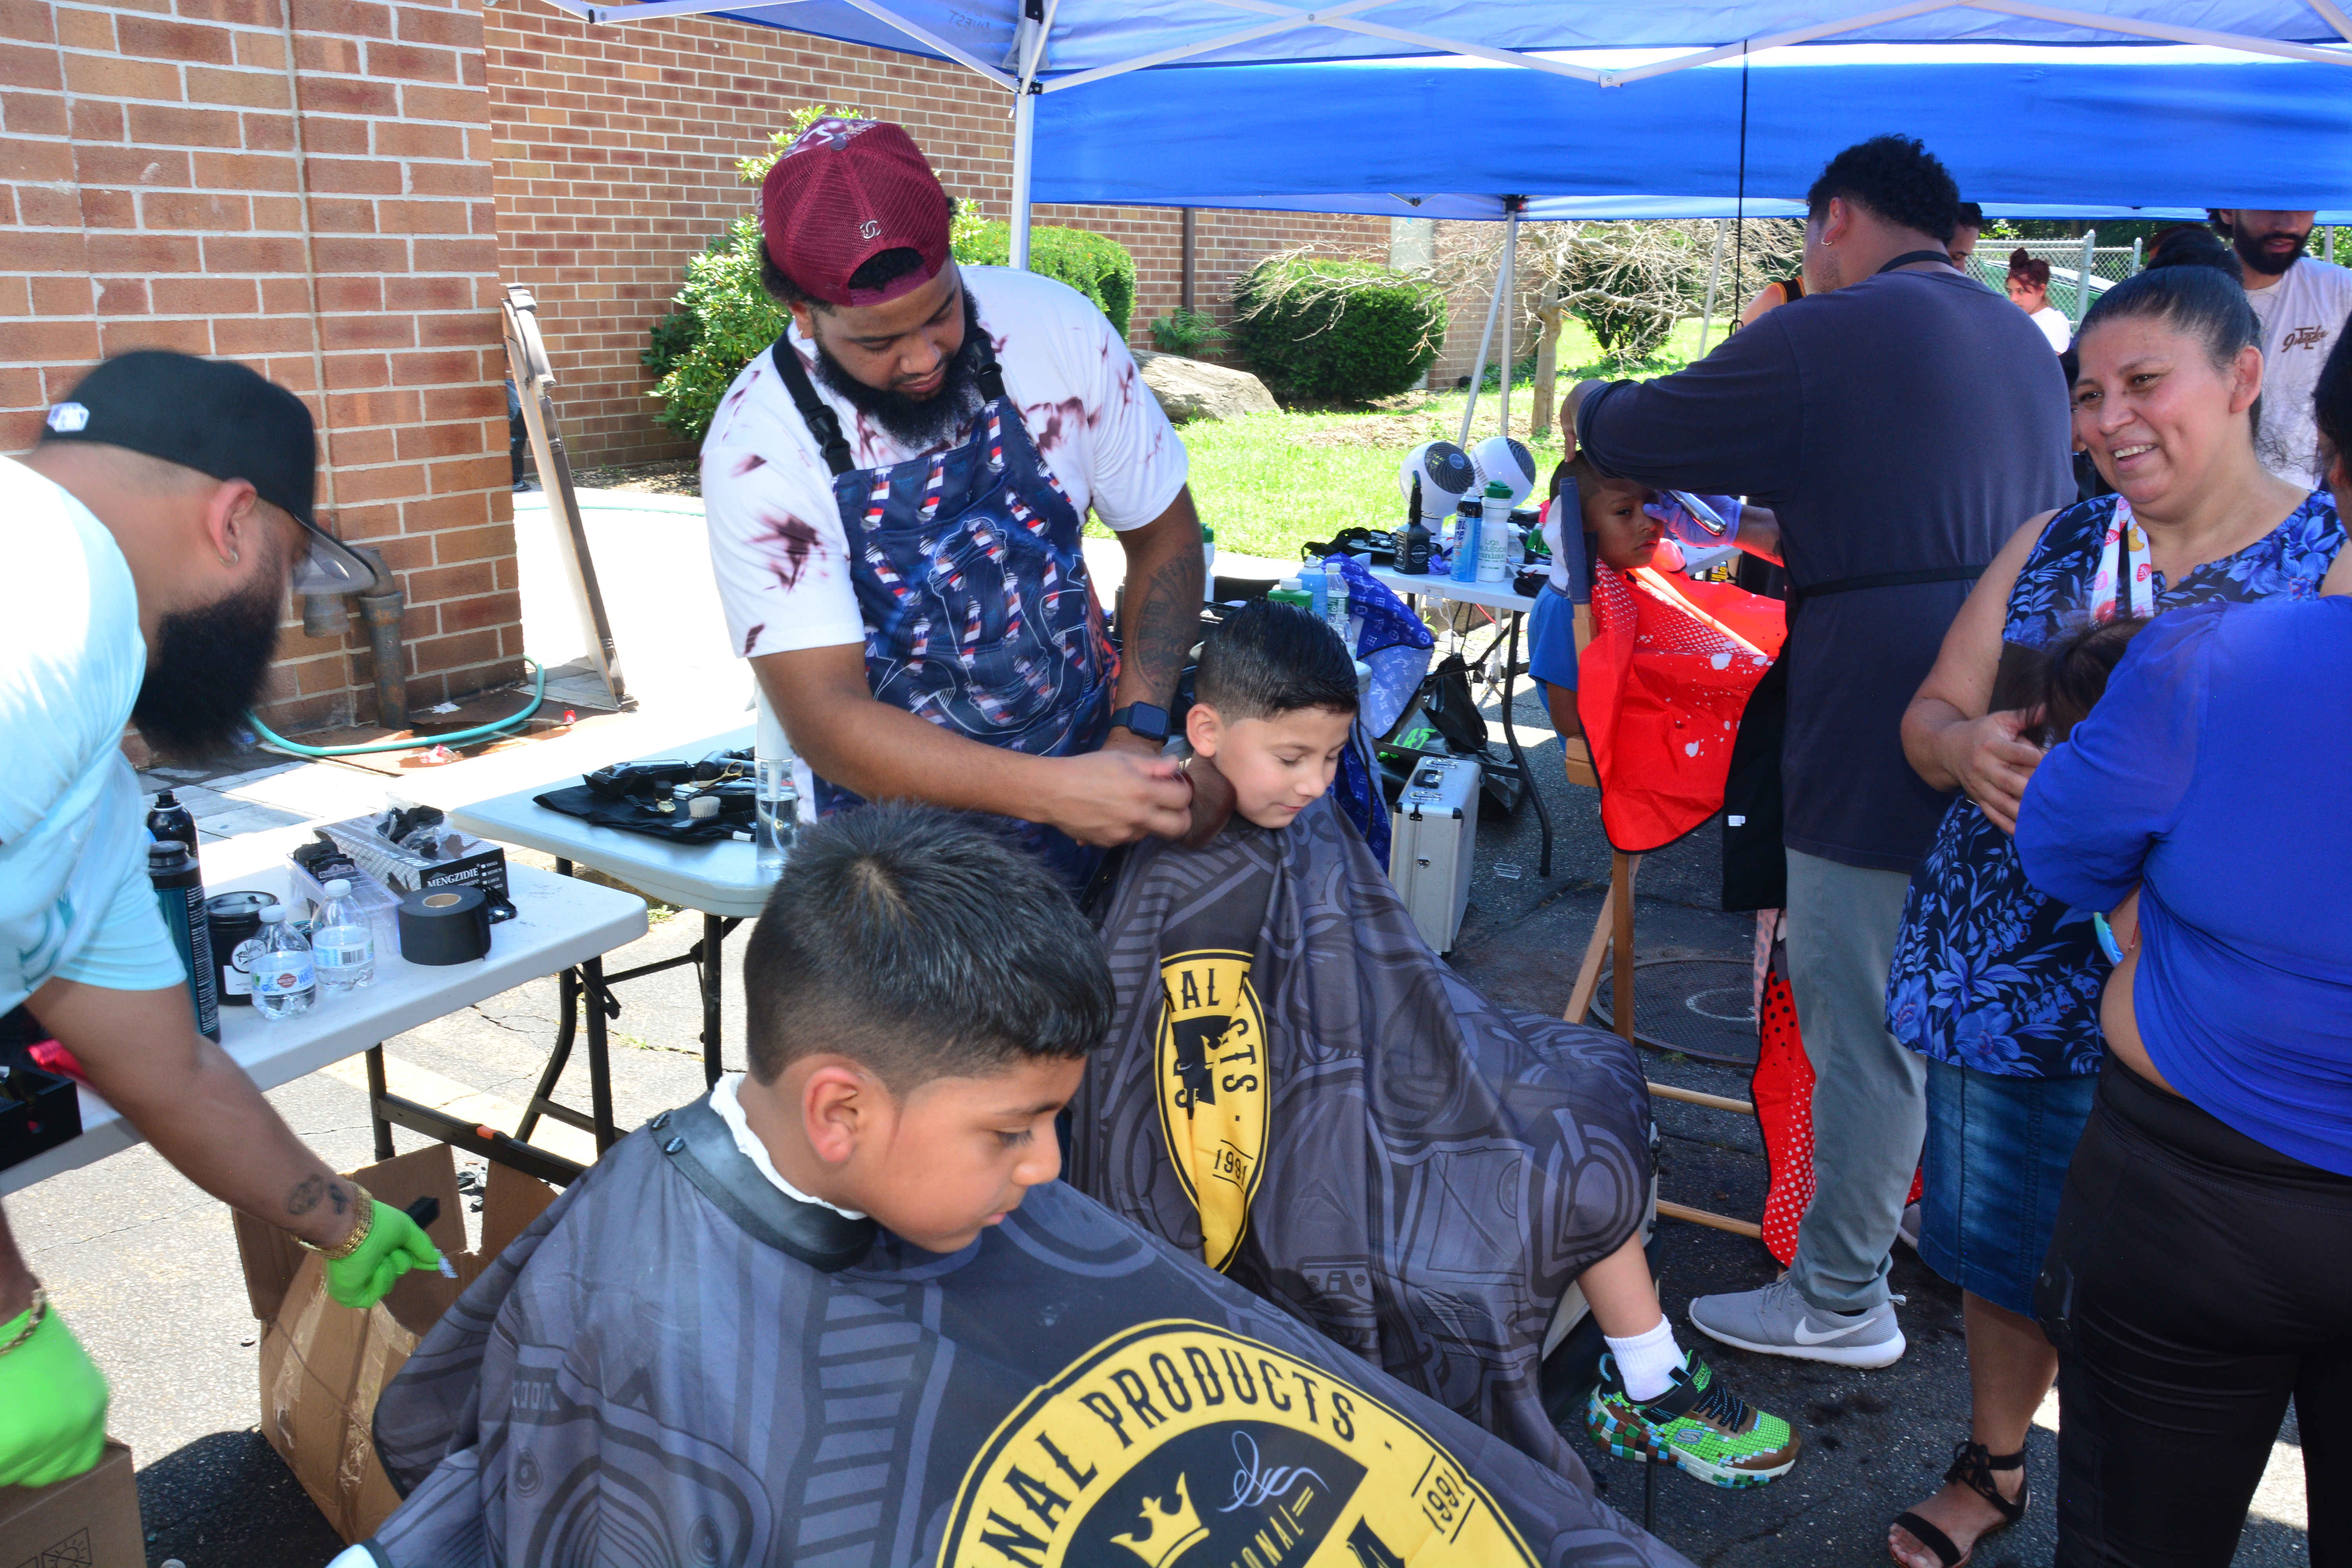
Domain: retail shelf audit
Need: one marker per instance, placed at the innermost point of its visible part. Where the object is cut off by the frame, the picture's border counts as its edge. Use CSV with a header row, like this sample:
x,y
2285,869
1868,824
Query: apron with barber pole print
x,y
978,614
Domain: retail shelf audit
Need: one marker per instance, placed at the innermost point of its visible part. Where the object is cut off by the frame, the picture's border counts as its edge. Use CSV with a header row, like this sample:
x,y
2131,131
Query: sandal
x,y
1972,1467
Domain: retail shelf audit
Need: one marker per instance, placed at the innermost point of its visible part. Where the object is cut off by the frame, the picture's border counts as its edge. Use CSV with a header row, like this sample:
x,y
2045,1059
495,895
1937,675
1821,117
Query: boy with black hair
x,y
1298,1092
840,1311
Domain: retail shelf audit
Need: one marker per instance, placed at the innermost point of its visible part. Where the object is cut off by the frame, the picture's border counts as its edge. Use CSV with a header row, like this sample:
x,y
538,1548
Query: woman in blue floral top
x,y
1995,984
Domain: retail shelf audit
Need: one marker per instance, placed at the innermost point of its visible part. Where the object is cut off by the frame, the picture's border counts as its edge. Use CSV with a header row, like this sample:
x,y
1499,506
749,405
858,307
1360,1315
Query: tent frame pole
x,y
1025,139
1714,276
1486,342
1509,295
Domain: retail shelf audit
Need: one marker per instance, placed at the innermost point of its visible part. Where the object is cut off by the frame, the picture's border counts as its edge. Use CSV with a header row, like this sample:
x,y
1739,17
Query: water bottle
x,y
1208,564
1335,604
776,802
342,943
285,982
1465,542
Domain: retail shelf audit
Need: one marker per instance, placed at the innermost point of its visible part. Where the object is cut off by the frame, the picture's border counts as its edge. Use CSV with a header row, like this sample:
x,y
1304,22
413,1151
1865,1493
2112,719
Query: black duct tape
x,y
445,925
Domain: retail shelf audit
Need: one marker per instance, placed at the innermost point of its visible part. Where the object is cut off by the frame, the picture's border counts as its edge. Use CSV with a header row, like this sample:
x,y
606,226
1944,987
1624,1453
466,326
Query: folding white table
x,y
558,923
721,881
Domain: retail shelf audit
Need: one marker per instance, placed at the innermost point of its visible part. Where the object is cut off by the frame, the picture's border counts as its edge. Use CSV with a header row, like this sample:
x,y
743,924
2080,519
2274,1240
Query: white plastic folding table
x,y
558,923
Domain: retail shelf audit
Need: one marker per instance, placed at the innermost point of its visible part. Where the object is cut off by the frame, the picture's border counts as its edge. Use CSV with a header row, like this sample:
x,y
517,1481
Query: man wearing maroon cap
x,y
896,492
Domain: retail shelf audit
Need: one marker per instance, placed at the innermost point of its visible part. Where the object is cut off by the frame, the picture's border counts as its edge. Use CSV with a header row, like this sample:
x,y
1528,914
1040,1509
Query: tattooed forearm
x,y
1166,624
306,1195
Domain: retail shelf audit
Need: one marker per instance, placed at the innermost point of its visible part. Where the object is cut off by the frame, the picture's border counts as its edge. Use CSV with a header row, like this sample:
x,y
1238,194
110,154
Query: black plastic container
x,y
234,919
180,892
170,823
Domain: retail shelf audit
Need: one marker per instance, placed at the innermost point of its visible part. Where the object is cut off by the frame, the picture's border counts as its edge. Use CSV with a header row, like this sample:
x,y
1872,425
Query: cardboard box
x,y
323,1365
90,1521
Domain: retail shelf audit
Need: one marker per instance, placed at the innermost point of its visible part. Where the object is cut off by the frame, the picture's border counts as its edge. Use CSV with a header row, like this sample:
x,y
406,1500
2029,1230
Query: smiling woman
x,y
1996,985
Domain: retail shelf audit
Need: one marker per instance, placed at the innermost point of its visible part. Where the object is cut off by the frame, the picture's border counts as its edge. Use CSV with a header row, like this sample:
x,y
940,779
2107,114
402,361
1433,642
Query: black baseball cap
x,y
220,418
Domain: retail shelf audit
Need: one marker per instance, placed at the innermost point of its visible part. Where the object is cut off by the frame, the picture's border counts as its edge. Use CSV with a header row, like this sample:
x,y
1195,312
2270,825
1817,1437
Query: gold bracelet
x,y
38,1311
361,1226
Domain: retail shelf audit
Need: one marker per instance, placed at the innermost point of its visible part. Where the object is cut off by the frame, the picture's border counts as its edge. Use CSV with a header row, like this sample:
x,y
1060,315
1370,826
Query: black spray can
x,y
1412,556
234,920
170,823
181,893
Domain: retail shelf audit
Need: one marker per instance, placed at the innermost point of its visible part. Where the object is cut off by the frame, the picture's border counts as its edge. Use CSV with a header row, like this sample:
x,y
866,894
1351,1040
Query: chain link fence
x,y
2080,269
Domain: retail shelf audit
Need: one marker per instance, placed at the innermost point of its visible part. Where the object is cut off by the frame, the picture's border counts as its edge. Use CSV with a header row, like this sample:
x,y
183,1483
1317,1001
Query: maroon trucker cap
x,y
845,191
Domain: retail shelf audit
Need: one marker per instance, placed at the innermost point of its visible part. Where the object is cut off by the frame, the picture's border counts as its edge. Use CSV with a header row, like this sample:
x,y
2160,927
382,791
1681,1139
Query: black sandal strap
x,y
1934,1540
1972,1467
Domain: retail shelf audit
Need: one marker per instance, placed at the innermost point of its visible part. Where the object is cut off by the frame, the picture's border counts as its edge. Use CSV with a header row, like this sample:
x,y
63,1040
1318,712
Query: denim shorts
x,y
1995,1161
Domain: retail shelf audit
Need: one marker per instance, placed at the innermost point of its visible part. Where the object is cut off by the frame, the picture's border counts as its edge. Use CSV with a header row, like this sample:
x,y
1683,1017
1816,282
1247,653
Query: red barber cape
x,y
1660,690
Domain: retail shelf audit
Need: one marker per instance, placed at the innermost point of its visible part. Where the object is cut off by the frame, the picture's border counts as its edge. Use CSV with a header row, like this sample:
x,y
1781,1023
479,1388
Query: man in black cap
x,y
149,537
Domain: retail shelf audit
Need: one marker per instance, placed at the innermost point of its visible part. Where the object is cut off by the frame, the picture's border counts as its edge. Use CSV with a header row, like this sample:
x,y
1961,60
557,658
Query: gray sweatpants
x,y
1870,1102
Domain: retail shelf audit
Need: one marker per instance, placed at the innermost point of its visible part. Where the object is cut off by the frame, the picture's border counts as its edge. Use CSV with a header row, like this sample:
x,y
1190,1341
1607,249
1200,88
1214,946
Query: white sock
x,y
1646,1363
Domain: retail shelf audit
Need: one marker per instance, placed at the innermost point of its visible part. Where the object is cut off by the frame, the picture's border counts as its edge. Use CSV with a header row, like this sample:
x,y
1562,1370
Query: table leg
x,y
377,1091
1511,737
600,1068
567,1027
709,971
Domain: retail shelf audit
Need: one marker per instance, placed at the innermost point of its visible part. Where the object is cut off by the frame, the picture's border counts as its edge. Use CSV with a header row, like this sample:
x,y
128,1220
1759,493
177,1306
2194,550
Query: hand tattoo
x,y
306,1195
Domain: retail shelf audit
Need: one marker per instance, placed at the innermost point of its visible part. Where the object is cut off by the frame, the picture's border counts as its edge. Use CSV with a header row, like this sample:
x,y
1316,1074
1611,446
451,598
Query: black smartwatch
x,y
1143,719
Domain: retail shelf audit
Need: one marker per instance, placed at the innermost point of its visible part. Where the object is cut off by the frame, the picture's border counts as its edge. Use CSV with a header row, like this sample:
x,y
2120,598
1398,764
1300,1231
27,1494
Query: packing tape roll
x,y
445,925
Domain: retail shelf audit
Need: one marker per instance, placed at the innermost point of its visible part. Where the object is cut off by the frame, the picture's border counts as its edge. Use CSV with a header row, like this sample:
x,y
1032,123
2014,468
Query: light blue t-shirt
x,y
74,896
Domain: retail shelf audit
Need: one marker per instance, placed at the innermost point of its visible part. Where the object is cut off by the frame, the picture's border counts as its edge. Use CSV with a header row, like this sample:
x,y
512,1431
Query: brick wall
x,y
303,186
615,150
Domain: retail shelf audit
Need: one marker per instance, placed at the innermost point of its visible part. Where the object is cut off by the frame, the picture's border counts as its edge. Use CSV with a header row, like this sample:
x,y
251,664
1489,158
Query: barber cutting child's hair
x,y
896,492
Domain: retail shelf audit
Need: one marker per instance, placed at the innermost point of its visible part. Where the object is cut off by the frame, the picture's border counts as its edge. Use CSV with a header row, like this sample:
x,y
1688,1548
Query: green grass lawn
x,y
1270,482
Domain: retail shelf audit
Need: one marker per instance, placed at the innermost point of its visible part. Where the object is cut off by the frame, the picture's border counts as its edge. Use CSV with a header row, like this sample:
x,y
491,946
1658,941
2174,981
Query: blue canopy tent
x,y
1505,108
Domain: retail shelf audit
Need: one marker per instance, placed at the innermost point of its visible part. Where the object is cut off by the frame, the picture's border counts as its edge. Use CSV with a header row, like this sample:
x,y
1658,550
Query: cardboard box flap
x,y
90,1521
511,1201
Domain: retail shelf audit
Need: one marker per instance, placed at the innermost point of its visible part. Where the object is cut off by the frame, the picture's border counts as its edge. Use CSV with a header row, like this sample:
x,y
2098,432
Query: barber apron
x,y
978,614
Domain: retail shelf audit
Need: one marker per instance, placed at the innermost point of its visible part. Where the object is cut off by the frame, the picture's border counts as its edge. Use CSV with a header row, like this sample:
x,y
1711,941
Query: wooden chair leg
x,y
1621,874
1616,916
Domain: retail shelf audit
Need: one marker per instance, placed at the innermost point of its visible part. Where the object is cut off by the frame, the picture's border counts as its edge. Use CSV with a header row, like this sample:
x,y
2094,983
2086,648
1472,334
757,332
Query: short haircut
x,y
922,944
1896,177
2205,302
2064,678
881,268
1266,659
2031,268
2186,245
2331,400
1969,215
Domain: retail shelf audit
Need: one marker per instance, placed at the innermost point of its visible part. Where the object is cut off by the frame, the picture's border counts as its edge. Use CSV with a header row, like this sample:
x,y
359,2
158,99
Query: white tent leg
x,y
1486,341
1508,293
1714,276
1024,136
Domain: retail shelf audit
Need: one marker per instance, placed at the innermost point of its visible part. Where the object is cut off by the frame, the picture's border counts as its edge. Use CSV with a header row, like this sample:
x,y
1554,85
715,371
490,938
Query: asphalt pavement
x,y
145,1266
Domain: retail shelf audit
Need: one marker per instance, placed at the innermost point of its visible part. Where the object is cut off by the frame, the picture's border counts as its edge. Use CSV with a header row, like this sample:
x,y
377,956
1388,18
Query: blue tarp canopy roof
x,y
1599,108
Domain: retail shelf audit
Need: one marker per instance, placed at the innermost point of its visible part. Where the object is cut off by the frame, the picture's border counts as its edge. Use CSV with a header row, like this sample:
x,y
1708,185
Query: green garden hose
x,y
274,741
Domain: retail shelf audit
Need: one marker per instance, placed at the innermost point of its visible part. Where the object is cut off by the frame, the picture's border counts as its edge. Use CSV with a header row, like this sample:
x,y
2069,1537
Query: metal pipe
x,y
1509,297
1024,133
324,615
382,610
1190,235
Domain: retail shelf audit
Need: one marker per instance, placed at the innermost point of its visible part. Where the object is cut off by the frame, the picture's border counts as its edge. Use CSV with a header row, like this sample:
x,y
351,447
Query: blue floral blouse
x,y
1988,972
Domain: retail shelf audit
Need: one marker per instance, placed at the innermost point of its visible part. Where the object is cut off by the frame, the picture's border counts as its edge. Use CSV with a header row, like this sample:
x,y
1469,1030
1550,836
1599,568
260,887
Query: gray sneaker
x,y
1776,1320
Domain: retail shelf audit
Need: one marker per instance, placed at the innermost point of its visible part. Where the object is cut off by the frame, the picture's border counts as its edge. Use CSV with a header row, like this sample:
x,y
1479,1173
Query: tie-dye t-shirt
x,y
776,542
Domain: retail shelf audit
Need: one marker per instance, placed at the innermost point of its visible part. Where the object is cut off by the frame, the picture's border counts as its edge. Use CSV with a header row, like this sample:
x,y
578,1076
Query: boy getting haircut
x,y
1266,659
945,951
687,1356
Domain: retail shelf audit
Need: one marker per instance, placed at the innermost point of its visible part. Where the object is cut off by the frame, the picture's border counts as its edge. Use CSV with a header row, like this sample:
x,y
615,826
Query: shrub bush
x,y
728,319
1185,331
1097,268
1342,331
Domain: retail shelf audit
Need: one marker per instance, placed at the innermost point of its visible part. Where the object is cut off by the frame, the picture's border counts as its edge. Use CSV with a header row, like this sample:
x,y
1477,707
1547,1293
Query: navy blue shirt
x,y
1910,422
2211,773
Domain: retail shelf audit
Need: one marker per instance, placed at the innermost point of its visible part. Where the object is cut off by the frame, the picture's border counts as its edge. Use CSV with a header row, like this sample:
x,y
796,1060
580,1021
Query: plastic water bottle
x,y
1465,562
775,799
1335,604
1209,563
285,981
342,943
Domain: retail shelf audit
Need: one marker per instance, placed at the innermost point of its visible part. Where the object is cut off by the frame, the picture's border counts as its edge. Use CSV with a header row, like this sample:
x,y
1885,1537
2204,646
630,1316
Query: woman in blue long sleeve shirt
x,y
2202,1270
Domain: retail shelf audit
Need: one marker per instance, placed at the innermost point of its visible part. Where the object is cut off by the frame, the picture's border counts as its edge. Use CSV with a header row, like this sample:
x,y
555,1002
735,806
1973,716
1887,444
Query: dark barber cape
x,y
679,1364
1297,1091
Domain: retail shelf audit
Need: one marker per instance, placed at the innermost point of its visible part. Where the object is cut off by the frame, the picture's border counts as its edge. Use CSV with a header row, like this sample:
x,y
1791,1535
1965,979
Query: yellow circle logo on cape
x,y
1214,1090
1176,1445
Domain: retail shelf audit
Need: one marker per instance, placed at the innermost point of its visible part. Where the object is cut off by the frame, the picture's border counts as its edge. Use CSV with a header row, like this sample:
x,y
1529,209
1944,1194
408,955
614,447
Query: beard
x,y
2252,251
209,667
917,423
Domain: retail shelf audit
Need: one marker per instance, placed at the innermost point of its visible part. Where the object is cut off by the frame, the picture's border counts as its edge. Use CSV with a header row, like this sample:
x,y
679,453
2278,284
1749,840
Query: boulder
x,y
1193,389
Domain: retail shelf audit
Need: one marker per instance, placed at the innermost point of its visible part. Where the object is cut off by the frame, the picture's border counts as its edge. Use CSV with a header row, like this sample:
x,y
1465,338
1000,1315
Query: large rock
x,y
1191,389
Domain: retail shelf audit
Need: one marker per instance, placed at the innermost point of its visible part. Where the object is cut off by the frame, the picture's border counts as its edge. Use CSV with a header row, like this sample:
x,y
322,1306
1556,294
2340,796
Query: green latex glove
x,y
52,1406
394,1246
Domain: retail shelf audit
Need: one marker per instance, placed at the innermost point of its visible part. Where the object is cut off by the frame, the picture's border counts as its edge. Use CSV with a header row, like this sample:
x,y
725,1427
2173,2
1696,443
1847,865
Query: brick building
x,y
336,191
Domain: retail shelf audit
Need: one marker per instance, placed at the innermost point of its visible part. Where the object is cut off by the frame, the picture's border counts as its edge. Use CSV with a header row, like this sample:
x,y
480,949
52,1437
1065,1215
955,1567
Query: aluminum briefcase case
x,y
1434,835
